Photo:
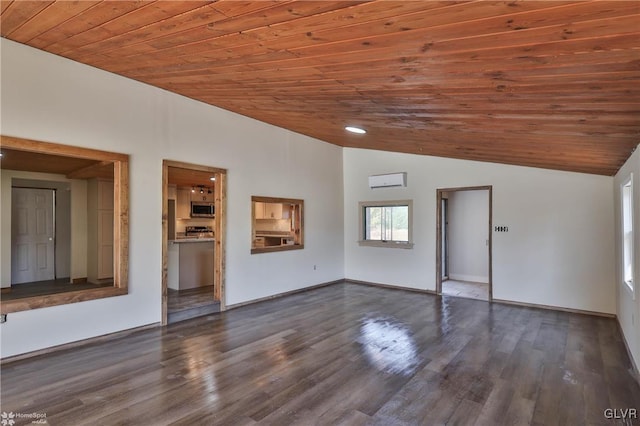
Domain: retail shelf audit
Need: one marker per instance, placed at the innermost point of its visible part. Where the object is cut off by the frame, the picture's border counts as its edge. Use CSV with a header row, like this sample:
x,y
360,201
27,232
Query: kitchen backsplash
x,y
181,224
273,225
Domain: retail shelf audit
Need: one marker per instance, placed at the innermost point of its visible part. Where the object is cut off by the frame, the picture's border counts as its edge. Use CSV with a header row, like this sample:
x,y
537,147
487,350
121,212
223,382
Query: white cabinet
x,y
183,203
172,192
268,210
259,210
273,210
100,230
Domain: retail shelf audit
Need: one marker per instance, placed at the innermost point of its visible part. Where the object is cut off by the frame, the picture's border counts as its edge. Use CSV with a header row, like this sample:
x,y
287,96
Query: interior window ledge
x,y
385,244
27,303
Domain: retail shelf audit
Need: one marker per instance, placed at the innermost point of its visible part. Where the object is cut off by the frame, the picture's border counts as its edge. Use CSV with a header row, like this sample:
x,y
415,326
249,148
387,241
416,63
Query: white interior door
x,y
32,235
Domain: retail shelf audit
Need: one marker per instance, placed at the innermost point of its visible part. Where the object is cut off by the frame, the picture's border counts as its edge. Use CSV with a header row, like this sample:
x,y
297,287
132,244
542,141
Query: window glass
x,y
385,223
388,223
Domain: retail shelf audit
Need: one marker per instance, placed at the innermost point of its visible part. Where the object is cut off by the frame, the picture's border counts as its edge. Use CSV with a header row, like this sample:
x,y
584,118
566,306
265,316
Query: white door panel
x,y
32,234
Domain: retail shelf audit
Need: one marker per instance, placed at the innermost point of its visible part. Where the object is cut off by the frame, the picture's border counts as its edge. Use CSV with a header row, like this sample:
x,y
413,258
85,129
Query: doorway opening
x,y
464,243
193,240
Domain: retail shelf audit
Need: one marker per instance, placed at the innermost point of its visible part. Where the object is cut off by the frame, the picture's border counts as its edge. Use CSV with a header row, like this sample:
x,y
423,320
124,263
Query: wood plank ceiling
x,y
548,84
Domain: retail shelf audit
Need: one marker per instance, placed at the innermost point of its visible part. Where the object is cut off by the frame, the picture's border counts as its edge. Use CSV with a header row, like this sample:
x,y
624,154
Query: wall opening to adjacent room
x,y
463,247
193,240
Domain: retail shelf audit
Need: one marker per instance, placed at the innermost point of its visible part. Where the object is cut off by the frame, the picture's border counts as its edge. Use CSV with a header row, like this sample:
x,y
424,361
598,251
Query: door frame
x,y
439,218
220,195
444,202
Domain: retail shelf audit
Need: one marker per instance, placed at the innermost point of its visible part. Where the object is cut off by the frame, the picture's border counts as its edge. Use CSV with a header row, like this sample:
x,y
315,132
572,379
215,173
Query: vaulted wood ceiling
x,y
546,84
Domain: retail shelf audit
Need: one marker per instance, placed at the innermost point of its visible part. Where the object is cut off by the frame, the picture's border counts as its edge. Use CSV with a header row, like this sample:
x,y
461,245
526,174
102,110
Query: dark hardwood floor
x,y
344,354
42,288
192,303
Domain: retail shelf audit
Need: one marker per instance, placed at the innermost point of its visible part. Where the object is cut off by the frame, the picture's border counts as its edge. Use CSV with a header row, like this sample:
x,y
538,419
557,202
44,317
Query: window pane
x,y
400,223
373,223
387,223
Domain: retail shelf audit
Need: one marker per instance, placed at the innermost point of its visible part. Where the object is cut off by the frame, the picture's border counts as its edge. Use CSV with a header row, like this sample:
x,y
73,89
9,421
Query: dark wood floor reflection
x,y
344,354
42,288
192,303
179,300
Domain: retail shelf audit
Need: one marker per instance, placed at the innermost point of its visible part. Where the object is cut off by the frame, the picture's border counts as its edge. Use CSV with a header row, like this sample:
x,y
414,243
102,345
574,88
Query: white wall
x,y
78,105
559,250
628,304
468,235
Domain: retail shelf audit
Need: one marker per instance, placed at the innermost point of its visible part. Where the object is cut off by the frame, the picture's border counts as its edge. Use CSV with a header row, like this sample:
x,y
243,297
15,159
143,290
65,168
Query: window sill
x,y
385,244
36,302
286,247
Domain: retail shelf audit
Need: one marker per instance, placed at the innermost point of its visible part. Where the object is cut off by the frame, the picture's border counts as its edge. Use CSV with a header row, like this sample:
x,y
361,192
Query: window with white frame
x,y
627,231
386,223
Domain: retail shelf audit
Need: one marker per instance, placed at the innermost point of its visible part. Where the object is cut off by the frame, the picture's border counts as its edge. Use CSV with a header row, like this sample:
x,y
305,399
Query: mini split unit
x,y
388,180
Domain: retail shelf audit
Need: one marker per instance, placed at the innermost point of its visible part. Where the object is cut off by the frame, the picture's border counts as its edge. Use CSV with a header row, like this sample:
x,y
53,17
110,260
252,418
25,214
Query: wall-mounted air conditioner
x,y
388,180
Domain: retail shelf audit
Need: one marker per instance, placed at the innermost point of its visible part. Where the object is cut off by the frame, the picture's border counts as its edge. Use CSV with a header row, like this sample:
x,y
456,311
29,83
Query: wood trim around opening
x,y
439,193
120,225
299,225
219,262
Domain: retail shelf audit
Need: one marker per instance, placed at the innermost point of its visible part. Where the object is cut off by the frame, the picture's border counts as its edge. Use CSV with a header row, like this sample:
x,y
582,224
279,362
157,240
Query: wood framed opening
x,y
441,246
99,263
197,178
277,224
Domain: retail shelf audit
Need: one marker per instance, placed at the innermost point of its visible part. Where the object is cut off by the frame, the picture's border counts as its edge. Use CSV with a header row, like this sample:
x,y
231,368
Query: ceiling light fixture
x,y
357,130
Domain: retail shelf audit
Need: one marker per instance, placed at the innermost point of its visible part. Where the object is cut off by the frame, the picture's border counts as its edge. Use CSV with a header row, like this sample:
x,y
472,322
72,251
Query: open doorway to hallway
x,y
464,242
194,199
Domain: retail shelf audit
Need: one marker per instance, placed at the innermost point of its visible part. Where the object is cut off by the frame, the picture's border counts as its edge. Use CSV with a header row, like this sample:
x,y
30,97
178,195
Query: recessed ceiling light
x,y
212,178
357,130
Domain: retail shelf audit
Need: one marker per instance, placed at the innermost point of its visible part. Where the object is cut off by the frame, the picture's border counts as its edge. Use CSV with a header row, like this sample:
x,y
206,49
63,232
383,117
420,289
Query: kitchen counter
x,y
192,240
190,263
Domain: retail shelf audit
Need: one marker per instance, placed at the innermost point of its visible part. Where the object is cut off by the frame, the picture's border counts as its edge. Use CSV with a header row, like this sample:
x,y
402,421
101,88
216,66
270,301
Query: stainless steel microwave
x,y
202,209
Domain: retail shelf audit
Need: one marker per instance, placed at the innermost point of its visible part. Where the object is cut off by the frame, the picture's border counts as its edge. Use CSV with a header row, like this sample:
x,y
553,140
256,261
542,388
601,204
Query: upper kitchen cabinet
x,y
273,210
183,203
172,192
258,210
270,211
